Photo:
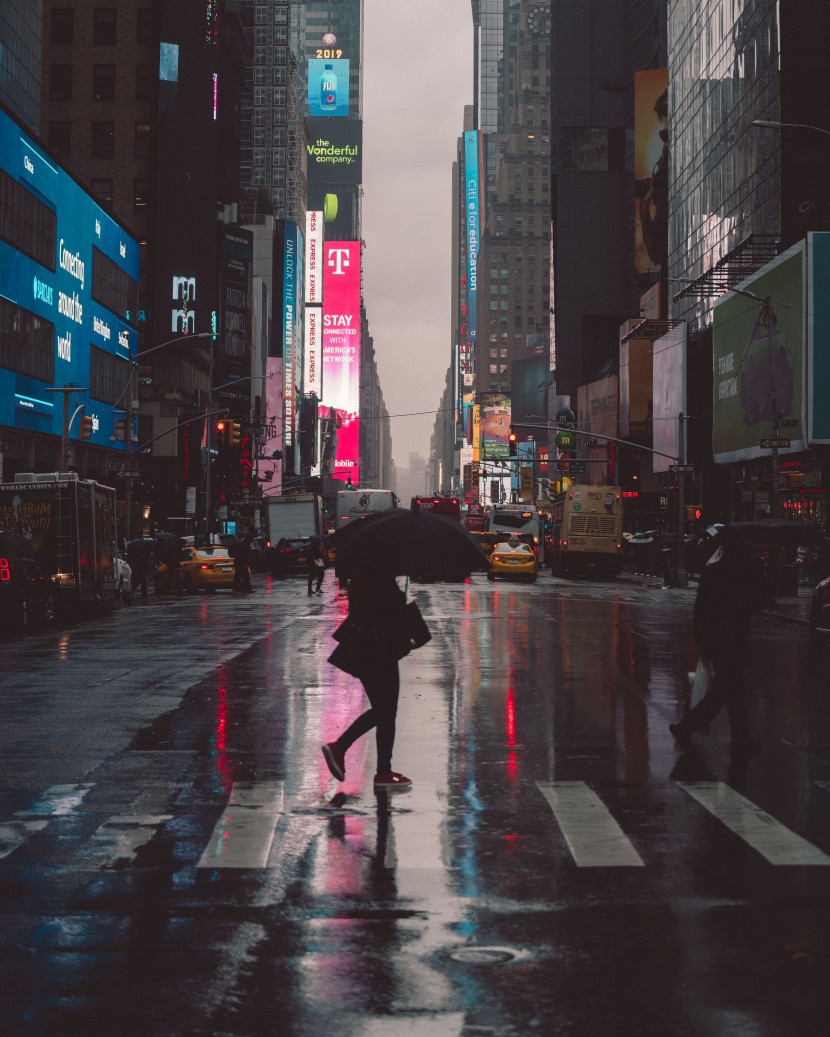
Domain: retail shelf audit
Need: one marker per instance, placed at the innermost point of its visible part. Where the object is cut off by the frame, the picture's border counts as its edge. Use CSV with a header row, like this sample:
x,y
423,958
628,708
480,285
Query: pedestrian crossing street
x,y
245,834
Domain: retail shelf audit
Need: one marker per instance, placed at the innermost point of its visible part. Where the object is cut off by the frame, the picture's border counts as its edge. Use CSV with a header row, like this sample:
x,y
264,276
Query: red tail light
x,y
5,570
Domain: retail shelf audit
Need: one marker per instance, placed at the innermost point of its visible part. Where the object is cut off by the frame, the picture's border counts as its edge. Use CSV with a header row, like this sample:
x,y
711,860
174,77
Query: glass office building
x,y
21,26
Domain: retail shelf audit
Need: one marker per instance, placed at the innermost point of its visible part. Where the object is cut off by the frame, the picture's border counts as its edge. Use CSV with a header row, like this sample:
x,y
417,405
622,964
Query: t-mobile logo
x,y
338,260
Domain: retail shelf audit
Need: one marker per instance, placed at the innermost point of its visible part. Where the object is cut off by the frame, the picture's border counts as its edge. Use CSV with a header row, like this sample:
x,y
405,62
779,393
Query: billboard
x,y
341,352
68,295
473,219
818,338
335,151
314,257
495,424
287,296
635,381
651,170
597,415
669,395
328,87
312,338
758,364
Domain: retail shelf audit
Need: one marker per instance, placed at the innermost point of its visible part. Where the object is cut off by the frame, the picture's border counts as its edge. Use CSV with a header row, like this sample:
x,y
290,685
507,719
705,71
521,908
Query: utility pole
x,y
67,421
774,493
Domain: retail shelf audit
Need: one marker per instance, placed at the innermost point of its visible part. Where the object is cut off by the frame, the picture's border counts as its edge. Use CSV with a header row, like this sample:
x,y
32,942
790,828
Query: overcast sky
x,y
417,78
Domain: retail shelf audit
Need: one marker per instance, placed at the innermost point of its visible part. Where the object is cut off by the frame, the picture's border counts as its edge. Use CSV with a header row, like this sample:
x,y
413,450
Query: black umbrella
x,y
407,543
771,532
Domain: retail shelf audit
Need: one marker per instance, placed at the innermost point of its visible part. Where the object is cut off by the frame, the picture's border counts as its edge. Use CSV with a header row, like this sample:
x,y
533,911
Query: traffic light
x,y
234,431
564,460
512,441
221,431
120,430
86,427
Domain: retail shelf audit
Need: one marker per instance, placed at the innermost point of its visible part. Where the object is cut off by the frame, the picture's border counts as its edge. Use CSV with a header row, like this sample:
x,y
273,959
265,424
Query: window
x,y
63,26
145,26
60,83
104,26
143,139
27,342
60,138
144,82
26,223
108,374
111,286
141,195
101,189
102,140
103,82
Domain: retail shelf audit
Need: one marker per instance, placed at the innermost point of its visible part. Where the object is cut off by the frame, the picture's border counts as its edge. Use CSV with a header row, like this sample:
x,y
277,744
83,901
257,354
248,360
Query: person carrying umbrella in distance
x,y
381,628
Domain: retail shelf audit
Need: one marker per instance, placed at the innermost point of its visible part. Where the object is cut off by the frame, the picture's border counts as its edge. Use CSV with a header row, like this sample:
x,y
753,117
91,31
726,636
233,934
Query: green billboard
x,y
818,338
759,362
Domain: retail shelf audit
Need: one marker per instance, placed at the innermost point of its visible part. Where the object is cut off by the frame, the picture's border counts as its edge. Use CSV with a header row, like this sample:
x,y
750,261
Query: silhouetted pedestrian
x,y
377,632
316,565
240,552
731,590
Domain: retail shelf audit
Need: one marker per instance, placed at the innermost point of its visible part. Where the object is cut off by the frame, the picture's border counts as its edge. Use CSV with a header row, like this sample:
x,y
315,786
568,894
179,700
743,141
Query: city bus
x,y
438,505
586,531
357,504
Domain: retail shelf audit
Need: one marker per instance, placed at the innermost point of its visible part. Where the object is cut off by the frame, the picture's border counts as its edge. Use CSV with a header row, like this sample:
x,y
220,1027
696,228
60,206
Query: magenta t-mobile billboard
x,y
341,352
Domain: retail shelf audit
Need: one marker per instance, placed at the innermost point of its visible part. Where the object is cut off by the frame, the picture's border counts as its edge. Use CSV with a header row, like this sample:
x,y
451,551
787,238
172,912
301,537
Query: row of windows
x,y
101,189
27,342
279,39
101,139
503,305
61,83
112,287
104,26
26,223
279,136
263,76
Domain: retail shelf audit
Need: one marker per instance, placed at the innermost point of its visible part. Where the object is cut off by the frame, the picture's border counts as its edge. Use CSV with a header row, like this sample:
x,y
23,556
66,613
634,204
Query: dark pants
x,y
381,682
318,572
728,689
241,577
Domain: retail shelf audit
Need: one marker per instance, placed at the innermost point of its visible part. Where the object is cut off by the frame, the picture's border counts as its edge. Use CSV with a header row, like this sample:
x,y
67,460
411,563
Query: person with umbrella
x,y
377,615
731,590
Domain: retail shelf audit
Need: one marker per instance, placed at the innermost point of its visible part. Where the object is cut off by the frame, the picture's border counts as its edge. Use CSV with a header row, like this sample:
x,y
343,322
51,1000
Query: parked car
x,y
26,589
820,613
513,559
290,556
203,568
123,579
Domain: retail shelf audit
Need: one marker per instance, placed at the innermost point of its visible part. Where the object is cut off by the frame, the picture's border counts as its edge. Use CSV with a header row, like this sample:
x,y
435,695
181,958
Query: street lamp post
x,y
775,125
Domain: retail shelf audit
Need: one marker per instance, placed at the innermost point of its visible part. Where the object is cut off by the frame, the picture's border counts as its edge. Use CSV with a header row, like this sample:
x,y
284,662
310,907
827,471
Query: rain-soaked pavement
x,y
176,861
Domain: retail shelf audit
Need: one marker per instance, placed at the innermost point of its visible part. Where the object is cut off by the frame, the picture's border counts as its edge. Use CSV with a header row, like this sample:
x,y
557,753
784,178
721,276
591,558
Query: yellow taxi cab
x,y
486,541
513,559
203,568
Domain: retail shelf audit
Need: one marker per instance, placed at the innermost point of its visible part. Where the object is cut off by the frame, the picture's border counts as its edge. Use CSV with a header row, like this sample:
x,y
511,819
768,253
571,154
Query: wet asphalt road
x,y
176,860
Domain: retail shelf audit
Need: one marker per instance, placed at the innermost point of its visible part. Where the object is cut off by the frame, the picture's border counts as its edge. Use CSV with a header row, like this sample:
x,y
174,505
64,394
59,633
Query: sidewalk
x,y
789,608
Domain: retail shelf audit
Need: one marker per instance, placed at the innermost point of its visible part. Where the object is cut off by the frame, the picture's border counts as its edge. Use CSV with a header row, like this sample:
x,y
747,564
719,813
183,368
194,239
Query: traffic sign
x,y
128,475
774,444
682,468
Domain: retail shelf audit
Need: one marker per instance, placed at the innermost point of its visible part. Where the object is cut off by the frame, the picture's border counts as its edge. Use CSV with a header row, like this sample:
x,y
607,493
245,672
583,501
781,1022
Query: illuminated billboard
x,y
328,87
335,151
341,352
314,257
473,218
758,365
68,295
669,395
495,424
288,308
651,170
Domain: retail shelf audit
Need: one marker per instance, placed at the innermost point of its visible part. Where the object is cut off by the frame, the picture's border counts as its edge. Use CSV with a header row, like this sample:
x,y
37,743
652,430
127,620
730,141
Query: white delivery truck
x,y
352,504
295,516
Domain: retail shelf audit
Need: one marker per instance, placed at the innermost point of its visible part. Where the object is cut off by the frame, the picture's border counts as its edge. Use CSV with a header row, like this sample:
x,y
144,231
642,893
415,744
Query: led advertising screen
x,y
341,352
67,294
495,425
288,255
651,169
758,364
328,87
314,257
472,208
669,395
335,151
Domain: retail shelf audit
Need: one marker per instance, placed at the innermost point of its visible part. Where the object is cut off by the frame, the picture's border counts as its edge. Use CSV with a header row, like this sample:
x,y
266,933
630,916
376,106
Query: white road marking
x,y
431,1024
774,841
593,836
56,801
243,835
119,839
15,833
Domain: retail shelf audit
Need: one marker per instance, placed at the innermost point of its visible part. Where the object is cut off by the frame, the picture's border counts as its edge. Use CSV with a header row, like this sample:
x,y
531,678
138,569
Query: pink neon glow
x,y
215,94
341,351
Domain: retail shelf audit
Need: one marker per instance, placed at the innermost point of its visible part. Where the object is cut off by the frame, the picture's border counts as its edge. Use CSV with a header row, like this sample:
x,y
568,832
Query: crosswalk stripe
x,y
243,836
119,839
56,801
774,841
15,833
427,1024
593,836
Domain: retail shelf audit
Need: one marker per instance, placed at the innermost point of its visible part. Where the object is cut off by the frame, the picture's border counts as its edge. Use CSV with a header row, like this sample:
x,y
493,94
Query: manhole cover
x,y
483,955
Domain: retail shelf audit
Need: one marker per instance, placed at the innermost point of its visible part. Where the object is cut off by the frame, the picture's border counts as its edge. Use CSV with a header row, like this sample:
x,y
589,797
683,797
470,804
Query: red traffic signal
x,y
512,440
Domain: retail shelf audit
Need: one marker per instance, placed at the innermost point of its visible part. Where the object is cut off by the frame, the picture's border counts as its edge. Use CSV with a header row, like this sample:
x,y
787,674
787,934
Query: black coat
x,y
731,590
